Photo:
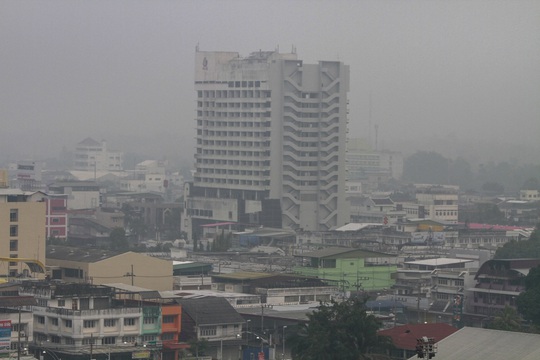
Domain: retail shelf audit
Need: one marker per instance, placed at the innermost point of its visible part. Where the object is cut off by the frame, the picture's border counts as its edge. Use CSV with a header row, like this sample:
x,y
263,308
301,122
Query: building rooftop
x,y
87,255
210,311
356,226
344,253
404,337
438,262
480,344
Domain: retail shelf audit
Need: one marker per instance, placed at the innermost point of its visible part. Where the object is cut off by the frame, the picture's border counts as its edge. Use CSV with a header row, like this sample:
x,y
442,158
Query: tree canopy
x,y
521,249
528,300
337,330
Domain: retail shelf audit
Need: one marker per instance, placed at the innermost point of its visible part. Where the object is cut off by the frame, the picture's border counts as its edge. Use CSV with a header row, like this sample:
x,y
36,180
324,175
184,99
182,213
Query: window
x,y
130,321
70,341
55,339
129,339
13,245
167,336
87,341
68,323
168,319
89,324
54,321
109,340
109,322
14,215
208,330
13,230
61,302
147,338
149,320
40,319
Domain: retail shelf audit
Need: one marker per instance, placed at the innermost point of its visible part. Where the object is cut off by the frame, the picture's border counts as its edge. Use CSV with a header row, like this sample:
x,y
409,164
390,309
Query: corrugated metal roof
x,y
481,344
344,253
16,301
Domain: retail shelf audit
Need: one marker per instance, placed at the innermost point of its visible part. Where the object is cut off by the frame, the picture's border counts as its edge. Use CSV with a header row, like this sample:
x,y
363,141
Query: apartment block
x,y
271,136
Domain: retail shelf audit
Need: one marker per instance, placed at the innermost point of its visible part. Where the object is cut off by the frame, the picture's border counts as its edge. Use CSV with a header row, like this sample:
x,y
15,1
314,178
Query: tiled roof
x,y
89,142
404,337
210,311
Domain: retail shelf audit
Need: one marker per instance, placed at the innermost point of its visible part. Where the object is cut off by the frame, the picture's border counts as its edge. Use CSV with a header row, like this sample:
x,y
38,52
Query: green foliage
x,y
134,222
529,299
338,330
222,242
426,167
486,213
118,240
507,319
198,347
521,249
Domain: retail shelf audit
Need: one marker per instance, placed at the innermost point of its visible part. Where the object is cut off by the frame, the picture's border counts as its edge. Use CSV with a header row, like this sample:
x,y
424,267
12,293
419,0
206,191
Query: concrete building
x,y
498,284
352,269
80,194
271,134
103,266
22,223
435,202
91,155
370,167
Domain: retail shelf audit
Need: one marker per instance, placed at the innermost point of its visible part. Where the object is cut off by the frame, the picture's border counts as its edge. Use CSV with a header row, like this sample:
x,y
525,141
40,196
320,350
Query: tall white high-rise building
x,y
271,142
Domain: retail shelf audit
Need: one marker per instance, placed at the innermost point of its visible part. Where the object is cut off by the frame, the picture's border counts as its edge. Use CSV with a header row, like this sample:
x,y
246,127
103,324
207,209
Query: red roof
x,y
404,337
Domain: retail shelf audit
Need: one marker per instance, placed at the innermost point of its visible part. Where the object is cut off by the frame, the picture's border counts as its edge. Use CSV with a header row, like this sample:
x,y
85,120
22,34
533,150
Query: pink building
x,y
57,219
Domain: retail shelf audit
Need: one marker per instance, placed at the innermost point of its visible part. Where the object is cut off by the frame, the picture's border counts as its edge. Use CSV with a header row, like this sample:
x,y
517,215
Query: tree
x,y
521,249
337,330
426,167
198,347
507,319
118,239
528,300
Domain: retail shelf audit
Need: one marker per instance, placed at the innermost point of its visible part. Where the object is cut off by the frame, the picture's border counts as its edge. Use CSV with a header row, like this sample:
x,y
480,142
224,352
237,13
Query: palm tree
x,y
507,319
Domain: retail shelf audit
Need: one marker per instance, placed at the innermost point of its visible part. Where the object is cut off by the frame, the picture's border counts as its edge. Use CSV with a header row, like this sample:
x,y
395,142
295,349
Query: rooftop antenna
x,y
369,120
197,47
376,137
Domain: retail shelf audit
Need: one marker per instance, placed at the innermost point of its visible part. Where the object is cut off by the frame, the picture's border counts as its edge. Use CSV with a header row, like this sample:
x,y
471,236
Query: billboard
x,y
5,337
427,237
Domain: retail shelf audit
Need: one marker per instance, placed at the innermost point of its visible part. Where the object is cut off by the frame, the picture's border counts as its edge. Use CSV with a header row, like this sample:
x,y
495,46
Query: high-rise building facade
x,y
271,142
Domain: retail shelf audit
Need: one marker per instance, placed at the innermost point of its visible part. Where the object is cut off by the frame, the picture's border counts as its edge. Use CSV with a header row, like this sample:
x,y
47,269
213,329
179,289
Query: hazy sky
x,y
123,70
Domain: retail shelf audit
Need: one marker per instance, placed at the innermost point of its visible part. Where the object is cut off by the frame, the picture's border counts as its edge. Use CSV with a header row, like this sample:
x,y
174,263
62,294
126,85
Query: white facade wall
x,y
271,127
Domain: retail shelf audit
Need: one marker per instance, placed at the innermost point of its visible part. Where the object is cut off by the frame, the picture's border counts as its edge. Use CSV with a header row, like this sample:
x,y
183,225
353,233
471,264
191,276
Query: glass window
x,y
14,215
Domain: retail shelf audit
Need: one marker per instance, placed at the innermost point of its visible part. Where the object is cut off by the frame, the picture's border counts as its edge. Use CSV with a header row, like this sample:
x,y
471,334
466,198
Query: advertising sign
x,y
5,337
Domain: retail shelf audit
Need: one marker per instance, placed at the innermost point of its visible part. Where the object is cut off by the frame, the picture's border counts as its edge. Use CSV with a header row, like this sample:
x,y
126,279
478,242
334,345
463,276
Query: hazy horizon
x,y
453,76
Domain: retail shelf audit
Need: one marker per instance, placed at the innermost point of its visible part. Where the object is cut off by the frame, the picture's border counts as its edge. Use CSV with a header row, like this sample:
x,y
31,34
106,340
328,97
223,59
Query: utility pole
x,y
19,337
91,345
132,275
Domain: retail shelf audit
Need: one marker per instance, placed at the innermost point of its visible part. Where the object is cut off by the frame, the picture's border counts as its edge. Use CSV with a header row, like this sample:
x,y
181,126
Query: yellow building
x,y
22,232
99,266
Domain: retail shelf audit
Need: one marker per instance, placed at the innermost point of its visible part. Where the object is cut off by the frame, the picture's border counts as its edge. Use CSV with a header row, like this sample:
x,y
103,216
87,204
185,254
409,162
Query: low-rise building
x,y
99,266
352,269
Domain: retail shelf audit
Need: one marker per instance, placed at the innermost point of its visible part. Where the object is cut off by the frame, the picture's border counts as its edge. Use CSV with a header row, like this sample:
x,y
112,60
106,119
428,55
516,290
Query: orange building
x,y
171,325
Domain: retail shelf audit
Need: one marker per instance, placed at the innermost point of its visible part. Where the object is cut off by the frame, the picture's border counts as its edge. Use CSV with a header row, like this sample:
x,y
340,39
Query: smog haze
x,y
459,77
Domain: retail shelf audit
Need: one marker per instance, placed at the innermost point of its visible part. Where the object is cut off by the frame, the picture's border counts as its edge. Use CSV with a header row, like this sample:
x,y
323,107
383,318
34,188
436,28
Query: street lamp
x,y
283,339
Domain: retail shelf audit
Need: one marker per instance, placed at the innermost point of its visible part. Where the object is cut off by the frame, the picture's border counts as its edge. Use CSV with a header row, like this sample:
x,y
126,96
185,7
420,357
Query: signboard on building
x,y
428,237
143,354
5,337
